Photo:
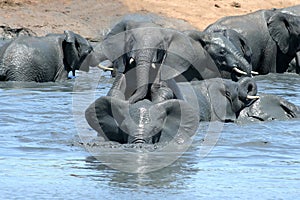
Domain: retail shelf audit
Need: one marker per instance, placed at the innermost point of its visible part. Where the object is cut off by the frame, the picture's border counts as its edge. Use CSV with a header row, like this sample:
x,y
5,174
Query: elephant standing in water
x,y
148,53
273,36
295,64
229,50
44,59
162,119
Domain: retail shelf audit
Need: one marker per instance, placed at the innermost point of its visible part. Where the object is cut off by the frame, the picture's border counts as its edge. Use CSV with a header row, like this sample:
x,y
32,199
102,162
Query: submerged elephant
x,y
43,59
161,120
148,53
267,108
273,36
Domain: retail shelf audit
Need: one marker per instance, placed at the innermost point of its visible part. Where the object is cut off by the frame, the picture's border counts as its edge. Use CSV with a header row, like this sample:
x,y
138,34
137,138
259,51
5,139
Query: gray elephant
x,y
267,108
229,50
219,99
161,119
148,53
273,36
44,59
294,65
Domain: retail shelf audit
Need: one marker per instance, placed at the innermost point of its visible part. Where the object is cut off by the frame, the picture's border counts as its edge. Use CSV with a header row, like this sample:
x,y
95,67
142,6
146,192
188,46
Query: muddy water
x,y
41,157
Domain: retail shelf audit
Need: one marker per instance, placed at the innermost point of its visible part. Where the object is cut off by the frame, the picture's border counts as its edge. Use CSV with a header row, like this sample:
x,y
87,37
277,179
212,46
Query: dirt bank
x,y
91,18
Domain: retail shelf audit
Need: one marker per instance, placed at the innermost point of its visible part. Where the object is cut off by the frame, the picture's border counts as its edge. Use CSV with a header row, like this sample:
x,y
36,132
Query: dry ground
x,y
91,17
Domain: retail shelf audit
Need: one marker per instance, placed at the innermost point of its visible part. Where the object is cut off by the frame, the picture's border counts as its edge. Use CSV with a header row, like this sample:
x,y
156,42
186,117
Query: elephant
x,y
43,59
229,50
294,65
160,119
147,53
267,108
273,36
219,99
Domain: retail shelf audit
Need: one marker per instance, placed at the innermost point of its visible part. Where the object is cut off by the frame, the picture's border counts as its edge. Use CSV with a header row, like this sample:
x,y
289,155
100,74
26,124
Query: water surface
x,y
42,127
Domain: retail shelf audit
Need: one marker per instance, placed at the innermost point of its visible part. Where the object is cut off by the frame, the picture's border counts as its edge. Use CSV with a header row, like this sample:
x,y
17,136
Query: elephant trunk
x,y
143,65
247,90
161,122
240,66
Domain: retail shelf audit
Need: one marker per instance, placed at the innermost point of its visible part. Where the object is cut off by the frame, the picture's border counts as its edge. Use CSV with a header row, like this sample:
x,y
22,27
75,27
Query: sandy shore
x,y
91,18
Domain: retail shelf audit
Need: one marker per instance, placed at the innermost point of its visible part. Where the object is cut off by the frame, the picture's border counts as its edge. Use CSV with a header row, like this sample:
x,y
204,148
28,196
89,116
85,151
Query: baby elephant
x,y
142,122
43,59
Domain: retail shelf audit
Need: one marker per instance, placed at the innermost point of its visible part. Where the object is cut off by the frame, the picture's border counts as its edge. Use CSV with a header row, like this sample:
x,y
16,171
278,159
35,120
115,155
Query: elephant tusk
x,y
131,60
254,73
239,71
105,68
252,97
153,66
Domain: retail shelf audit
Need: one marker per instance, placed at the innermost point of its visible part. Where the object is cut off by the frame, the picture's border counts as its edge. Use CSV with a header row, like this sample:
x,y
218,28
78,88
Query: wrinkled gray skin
x,y
219,99
147,53
294,65
135,47
228,49
142,122
162,118
43,59
267,108
273,36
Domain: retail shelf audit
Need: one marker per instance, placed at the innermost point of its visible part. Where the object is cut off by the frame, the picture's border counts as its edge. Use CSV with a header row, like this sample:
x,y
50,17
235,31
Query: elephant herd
x,y
167,81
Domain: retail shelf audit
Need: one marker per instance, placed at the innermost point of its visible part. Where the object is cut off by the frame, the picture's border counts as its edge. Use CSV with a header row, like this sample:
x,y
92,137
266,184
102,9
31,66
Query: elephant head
x,y
146,52
76,52
229,50
227,98
141,122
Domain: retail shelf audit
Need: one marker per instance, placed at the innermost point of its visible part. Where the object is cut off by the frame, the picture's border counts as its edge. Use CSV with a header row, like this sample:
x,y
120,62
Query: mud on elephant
x,y
42,59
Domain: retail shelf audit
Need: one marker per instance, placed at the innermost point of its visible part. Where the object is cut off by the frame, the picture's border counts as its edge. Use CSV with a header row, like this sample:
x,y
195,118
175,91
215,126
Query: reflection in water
x,y
41,157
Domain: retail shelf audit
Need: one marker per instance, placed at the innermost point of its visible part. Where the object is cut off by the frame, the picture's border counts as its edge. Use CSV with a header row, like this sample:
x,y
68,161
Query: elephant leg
x,y
269,62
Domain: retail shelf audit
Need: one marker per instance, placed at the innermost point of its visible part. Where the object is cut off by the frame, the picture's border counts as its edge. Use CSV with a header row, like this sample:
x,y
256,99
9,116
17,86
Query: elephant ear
x,y
114,45
71,57
181,121
280,28
105,116
119,42
218,98
180,55
239,41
